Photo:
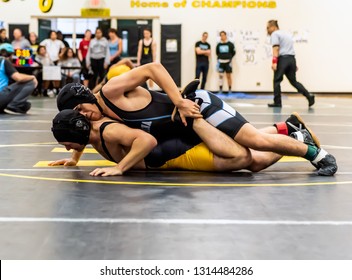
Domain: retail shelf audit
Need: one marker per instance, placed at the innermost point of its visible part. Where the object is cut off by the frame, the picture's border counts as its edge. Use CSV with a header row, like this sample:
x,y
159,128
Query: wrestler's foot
x,y
190,89
296,123
327,165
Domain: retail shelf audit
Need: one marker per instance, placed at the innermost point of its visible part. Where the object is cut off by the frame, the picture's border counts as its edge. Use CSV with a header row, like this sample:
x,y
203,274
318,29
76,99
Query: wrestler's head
x,y
76,96
71,129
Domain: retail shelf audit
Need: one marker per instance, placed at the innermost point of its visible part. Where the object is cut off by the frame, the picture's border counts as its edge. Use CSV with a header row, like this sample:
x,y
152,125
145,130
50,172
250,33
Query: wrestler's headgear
x,y
71,126
74,94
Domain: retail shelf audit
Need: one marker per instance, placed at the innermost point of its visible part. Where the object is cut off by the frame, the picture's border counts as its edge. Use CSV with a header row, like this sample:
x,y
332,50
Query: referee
x,y
284,63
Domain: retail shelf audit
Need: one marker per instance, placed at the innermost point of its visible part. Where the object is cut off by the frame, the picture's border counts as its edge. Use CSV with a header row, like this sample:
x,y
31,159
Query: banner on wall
x,y
95,8
203,4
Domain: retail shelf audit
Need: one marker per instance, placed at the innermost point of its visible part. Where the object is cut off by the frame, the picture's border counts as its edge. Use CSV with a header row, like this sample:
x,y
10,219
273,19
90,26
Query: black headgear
x,y
71,126
74,94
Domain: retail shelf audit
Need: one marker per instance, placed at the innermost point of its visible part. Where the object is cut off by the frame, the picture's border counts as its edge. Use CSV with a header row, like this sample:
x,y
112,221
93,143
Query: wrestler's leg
x,y
228,154
222,145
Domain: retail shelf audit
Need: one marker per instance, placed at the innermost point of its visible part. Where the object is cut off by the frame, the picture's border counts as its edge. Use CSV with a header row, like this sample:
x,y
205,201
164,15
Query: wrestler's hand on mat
x,y
107,171
188,108
65,162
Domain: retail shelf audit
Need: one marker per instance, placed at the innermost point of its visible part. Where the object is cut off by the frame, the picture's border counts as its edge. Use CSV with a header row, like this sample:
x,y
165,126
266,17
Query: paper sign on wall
x,y
171,45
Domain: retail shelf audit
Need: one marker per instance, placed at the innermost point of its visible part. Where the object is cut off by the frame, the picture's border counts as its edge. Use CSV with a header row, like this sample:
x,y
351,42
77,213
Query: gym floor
x,y
284,212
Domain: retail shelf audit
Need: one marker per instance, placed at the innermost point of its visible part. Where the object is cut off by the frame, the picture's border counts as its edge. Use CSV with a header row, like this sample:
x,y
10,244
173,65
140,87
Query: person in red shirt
x,y
82,53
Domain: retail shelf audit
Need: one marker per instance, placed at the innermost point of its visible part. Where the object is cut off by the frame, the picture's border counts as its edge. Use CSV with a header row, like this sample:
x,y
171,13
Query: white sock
x,y
320,156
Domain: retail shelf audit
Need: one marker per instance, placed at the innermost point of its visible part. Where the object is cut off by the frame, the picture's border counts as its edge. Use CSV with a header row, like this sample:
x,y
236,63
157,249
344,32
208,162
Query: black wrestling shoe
x,y
275,105
190,89
296,123
303,136
311,100
188,92
327,166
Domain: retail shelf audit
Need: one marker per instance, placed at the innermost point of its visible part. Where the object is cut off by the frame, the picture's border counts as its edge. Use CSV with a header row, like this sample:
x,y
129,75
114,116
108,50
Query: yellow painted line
x,y
63,150
292,159
168,184
80,163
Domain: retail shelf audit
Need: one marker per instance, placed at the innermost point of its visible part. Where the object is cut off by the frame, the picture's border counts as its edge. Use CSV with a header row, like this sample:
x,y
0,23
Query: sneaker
x,y
295,123
274,105
15,111
327,166
51,93
19,110
311,100
26,106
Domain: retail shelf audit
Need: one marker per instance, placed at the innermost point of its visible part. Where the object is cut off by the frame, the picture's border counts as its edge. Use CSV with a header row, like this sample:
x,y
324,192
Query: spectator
x,y
61,37
14,97
43,59
202,49
69,59
115,46
19,41
225,51
146,51
3,38
82,53
33,40
54,47
98,57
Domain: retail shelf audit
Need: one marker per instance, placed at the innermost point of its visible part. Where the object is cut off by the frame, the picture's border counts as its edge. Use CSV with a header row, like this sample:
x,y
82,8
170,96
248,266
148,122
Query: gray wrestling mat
x,y
284,212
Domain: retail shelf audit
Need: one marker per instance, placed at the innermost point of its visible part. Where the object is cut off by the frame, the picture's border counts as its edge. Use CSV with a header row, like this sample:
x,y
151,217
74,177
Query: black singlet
x,y
155,118
163,152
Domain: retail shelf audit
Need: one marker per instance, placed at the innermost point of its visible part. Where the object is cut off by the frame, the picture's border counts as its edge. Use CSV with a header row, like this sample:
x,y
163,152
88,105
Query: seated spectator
x,y
43,59
69,59
3,38
14,96
19,42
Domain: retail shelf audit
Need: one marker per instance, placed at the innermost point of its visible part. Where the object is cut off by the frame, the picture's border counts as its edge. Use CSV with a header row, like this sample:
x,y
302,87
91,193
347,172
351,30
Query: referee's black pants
x,y
287,66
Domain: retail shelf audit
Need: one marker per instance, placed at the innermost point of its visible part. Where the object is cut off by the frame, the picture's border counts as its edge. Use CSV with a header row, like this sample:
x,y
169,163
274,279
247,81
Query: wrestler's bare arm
x,y
119,85
138,143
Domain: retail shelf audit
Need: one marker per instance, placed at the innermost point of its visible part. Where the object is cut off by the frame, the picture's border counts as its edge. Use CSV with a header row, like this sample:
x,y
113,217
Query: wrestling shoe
x,y
296,123
189,91
327,165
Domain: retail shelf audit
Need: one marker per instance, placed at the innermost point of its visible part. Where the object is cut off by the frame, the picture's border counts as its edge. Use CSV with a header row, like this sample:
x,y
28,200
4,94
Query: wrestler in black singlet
x,y
163,152
155,118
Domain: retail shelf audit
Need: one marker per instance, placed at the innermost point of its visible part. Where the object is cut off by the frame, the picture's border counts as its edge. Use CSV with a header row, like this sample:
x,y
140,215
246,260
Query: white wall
x,y
324,61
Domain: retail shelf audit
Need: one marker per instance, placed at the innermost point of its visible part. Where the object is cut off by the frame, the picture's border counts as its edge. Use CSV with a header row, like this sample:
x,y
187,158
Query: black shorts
x,y
224,67
219,114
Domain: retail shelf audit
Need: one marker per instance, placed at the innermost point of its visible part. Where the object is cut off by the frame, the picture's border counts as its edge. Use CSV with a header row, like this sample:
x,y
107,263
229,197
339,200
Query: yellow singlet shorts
x,y
199,158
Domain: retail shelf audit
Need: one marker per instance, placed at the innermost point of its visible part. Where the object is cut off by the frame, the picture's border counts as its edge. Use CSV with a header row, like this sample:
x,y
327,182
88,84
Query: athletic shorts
x,y
218,113
224,67
198,158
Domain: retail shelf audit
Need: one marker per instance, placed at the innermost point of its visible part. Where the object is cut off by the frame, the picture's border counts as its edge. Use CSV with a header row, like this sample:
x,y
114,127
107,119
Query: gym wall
x,y
321,27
